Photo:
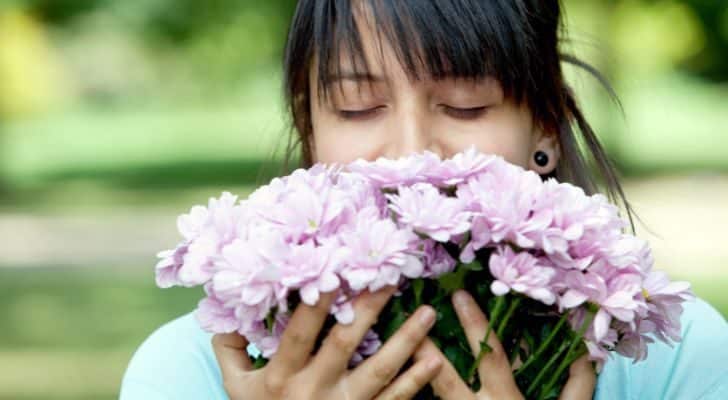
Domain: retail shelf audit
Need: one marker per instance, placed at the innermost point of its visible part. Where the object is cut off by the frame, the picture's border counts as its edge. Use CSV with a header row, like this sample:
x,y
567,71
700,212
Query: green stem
x,y
504,322
543,346
484,348
569,358
545,369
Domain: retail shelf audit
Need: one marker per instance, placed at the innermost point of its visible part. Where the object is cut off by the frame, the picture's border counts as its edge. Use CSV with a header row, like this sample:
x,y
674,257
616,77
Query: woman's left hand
x,y
496,376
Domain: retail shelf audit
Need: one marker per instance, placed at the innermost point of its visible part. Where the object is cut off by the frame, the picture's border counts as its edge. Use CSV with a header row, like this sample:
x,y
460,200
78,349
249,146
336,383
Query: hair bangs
x,y
465,39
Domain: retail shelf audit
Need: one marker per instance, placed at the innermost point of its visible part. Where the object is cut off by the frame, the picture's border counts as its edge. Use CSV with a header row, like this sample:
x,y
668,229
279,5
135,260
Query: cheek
x,y
336,143
509,138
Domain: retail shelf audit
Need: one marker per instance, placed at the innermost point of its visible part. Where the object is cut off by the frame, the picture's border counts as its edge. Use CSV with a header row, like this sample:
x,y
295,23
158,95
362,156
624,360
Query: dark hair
x,y
517,42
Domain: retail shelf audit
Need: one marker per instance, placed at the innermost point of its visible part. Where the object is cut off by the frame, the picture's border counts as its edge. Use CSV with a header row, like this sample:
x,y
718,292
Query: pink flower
x,y
342,308
213,316
461,167
378,252
312,270
502,201
309,206
267,341
368,346
363,226
388,173
615,295
664,304
523,273
599,350
428,212
248,274
167,268
435,259
361,193
206,231
634,340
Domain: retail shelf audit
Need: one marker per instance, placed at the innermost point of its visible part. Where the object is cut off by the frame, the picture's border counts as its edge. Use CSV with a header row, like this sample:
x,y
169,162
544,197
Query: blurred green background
x,y
116,116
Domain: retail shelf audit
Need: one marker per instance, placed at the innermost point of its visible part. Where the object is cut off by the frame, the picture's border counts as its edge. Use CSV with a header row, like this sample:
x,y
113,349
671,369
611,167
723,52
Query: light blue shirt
x,y
177,362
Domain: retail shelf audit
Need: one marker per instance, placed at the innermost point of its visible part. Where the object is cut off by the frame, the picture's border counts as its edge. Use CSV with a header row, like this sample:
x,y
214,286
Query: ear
x,y
547,142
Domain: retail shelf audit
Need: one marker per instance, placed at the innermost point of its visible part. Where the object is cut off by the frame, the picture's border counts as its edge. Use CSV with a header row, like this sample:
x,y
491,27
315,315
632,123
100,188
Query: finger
x,y
232,356
299,337
494,369
415,378
582,380
378,370
447,383
340,344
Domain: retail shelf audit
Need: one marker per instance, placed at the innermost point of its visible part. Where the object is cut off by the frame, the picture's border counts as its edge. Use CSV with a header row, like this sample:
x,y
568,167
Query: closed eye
x,y
466,113
359,114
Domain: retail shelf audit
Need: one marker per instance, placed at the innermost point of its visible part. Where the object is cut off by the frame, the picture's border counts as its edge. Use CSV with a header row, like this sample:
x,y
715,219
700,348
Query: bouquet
x,y
550,265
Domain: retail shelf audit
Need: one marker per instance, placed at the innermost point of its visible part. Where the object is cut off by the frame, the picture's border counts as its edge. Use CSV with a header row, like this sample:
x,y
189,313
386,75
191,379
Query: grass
x,y
80,327
86,141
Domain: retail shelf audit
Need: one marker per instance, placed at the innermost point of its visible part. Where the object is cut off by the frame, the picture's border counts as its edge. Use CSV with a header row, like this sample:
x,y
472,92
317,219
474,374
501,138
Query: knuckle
x,y
369,305
383,372
419,379
474,318
296,337
274,385
401,393
499,358
341,341
413,332
217,340
448,384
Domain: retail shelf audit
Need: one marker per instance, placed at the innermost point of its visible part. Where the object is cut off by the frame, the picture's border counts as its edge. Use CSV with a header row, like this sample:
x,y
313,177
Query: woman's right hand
x,y
294,373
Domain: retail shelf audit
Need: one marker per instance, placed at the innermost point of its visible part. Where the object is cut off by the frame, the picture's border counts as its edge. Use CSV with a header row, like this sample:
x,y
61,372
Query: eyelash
x,y
358,114
466,113
459,113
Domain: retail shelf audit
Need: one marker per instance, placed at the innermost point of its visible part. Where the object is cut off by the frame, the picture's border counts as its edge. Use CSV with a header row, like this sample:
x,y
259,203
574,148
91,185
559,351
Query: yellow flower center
x,y
645,293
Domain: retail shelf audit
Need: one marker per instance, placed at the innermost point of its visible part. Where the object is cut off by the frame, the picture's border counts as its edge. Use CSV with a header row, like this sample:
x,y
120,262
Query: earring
x,y
541,158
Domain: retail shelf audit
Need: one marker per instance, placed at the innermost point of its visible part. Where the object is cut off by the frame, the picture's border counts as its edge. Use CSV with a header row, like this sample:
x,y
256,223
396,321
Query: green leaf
x,y
459,359
485,347
259,362
453,281
530,341
270,319
447,324
392,318
417,286
473,266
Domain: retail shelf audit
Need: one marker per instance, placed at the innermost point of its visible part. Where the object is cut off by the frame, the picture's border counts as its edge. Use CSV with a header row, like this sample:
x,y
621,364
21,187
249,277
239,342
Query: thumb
x,y
582,380
231,353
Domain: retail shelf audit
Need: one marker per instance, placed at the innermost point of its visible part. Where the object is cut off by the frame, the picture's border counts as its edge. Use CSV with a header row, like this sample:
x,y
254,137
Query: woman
x,y
388,78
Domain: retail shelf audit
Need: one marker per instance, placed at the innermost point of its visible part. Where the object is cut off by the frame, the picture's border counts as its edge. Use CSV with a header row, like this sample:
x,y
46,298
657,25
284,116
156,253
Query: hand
x,y
294,373
495,370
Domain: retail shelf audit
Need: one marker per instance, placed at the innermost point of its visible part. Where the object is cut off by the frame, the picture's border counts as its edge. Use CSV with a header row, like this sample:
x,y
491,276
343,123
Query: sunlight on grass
x,y
65,374
92,138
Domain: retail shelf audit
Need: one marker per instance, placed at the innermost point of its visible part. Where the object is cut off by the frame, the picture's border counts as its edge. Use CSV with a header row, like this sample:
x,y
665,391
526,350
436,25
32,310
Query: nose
x,y
410,131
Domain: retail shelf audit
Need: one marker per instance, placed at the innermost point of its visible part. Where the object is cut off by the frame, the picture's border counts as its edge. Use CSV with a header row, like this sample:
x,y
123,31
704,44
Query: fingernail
x,y
426,316
461,300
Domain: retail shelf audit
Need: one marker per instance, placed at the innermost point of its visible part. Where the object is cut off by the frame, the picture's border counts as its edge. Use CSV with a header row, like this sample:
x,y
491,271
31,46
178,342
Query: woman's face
x,y
387,114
